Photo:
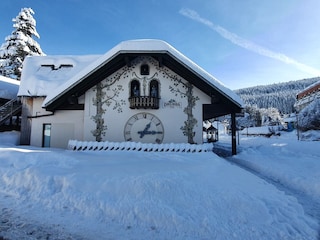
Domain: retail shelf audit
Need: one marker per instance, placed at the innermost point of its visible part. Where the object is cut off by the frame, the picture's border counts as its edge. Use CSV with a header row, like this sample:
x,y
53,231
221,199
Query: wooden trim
x,y
233,134
121,59
27,106
71,107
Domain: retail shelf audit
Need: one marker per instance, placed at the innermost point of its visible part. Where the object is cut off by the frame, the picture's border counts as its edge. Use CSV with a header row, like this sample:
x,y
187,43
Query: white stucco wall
x,y
172,117
65,125
78,124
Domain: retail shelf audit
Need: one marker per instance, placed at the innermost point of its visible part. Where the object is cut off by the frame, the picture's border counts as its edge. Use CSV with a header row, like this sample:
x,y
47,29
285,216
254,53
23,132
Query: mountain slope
x,y
280,95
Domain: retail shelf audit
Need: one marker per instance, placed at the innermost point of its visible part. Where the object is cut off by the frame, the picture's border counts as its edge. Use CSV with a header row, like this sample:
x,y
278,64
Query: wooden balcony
x,y
144,102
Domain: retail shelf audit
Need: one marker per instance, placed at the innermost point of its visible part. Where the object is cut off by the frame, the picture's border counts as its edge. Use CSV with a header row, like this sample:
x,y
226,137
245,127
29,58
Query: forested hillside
x,y
281,95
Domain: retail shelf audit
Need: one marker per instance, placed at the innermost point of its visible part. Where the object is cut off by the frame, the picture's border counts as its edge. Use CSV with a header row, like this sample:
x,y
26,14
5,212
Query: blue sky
x,y
242,43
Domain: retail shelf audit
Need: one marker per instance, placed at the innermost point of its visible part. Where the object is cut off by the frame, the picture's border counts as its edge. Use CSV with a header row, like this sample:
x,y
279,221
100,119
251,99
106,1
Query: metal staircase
x,y
10,109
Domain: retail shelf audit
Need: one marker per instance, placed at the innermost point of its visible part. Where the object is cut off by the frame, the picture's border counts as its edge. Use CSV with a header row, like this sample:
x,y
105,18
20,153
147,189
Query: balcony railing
x,y
144,102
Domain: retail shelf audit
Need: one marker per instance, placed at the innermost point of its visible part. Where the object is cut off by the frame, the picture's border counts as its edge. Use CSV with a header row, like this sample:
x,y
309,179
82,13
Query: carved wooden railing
x,y
144,102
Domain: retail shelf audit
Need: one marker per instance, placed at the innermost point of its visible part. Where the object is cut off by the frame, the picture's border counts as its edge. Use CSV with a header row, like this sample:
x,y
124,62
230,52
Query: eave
x,y
122,58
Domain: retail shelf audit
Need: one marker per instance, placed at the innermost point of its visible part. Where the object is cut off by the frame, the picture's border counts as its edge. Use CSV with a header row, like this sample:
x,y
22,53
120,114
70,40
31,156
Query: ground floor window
x,y
46,135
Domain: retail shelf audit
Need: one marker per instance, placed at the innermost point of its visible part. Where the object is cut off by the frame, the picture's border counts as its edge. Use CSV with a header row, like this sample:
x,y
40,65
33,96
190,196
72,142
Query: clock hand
x,y
153,132
147,126
145,130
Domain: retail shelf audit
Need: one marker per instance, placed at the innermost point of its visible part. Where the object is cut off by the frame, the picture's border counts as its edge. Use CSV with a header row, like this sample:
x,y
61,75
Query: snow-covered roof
x,y
311,86
309,90
32,73
8,88
43,74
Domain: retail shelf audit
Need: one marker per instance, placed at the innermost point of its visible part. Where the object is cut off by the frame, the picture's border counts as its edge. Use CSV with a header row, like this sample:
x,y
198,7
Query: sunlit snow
x,y
270,190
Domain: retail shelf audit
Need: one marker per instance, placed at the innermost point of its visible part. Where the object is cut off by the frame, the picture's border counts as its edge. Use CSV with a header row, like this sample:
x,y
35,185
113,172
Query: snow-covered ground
x,y
61,194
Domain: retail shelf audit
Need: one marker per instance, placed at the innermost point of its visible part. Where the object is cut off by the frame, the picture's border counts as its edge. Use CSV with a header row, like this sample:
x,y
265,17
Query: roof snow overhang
x,y
8,88
123,54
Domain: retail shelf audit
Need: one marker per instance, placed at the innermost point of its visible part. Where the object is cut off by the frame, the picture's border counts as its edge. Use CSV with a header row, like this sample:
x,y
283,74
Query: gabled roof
x,y
315,87
121,55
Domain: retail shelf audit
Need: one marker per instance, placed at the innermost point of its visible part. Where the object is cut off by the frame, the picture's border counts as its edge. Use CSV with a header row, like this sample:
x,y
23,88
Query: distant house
x,y
307,95
141,91
290,122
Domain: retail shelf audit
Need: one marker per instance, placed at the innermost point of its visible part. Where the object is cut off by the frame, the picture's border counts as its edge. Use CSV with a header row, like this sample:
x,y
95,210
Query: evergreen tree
x,y
19,44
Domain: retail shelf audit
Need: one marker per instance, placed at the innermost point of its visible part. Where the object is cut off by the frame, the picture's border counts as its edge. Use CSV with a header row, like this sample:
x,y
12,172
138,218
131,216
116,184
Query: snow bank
x,y
150,195
311,135
284,159
263,130
9,138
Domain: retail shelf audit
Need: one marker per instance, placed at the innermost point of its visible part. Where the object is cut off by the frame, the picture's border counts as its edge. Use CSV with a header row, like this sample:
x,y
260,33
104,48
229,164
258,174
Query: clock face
x,y
144,127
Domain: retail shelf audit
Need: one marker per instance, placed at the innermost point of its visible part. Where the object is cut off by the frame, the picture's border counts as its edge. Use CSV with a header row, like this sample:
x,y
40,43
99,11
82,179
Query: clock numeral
x,y
144,115
158,140
128,132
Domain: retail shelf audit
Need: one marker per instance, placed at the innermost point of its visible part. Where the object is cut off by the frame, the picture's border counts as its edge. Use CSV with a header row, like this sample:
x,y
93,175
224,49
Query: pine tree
x,y
19,44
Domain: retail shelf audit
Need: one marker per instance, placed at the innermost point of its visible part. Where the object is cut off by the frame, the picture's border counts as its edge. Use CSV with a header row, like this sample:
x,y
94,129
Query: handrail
x,y
9,108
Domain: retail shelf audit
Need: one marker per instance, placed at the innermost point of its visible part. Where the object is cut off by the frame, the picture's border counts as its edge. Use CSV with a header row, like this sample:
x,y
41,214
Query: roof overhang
x,y
123,54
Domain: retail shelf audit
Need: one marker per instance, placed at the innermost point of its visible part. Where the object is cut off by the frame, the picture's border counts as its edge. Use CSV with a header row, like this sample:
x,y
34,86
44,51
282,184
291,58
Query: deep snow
x,y
61,194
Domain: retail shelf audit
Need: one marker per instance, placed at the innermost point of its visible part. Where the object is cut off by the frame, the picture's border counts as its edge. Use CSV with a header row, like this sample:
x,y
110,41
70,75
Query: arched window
x,y
154,89
144,69
135,88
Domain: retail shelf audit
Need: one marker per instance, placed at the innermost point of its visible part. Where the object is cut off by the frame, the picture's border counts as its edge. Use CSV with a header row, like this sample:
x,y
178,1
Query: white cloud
x,y
237,40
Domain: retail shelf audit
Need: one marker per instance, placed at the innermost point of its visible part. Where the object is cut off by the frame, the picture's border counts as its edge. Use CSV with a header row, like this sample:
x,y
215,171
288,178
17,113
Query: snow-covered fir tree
x,y
19,44
269,116
309,117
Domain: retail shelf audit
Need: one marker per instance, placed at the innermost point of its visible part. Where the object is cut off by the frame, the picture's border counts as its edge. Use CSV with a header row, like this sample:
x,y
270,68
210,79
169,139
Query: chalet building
x,y
141,91
307,95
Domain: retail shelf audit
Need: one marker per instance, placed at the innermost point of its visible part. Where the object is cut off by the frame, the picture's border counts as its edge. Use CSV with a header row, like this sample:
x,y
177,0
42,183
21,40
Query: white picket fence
x,y
75,145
